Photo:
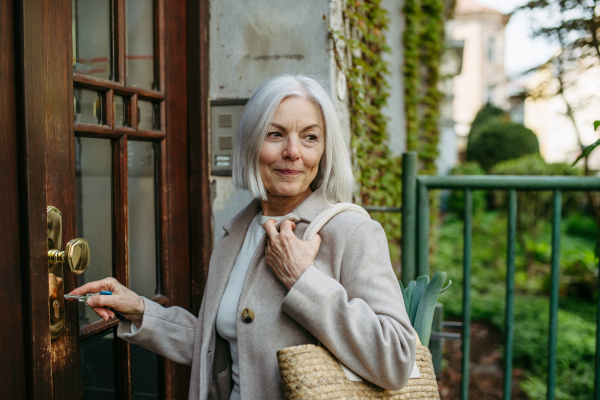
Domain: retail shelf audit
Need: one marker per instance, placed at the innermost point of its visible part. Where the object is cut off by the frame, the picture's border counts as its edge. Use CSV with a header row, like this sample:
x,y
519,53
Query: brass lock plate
x,y
56,298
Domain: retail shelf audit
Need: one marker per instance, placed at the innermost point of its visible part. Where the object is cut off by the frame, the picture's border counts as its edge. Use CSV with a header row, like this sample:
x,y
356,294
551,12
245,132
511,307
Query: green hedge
x,y
498,141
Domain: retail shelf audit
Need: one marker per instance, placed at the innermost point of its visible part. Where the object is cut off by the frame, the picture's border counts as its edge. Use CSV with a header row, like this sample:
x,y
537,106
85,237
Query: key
x,y
84,299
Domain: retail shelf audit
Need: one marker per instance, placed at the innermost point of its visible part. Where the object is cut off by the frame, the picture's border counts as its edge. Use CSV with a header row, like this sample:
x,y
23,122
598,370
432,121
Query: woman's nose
x,y
291,151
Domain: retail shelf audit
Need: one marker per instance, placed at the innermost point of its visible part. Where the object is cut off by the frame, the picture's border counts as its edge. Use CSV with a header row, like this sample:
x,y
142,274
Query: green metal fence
x,y
415,251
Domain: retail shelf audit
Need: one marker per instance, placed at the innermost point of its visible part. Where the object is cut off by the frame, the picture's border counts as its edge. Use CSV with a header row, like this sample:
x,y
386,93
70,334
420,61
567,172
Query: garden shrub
x,y
576,319
487,113
498,141
456,200
581,225
534,209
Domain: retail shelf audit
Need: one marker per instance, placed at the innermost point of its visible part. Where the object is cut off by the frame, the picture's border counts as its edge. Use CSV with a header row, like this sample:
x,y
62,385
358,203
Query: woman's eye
x,y
311,137
274,134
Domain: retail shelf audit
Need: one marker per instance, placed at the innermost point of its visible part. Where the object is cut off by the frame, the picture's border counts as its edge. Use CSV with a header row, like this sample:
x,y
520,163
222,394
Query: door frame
x,y
40,110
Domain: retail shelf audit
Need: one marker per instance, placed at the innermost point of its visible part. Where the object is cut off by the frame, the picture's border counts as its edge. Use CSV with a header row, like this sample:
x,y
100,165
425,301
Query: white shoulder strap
x,y
320,220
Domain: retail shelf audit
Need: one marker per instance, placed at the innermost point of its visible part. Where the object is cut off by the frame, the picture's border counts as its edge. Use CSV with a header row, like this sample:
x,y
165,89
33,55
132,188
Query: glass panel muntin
x,y
96,41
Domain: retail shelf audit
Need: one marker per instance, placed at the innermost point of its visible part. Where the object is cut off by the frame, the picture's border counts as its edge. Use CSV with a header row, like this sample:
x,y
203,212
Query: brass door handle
x,y
76,256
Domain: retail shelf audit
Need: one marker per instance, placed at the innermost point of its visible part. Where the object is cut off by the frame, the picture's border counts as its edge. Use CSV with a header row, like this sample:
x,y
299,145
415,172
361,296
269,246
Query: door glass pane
x,y
148,116
144,373
91,21
141,190
140,43
87,106
93,195
120,111
97,367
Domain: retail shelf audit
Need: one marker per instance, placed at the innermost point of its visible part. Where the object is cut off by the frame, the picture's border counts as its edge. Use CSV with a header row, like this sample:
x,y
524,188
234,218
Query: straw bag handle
x,y
320,220
315,226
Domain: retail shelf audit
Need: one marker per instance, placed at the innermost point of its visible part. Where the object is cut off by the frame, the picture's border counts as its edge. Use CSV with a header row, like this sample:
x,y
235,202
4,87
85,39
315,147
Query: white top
x,y
228,315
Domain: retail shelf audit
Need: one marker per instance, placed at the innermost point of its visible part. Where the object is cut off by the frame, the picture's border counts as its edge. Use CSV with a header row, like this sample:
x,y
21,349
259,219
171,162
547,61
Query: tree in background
x,y
574,26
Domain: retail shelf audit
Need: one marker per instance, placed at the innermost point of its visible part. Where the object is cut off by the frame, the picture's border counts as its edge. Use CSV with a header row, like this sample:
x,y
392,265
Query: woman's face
x,y
290,155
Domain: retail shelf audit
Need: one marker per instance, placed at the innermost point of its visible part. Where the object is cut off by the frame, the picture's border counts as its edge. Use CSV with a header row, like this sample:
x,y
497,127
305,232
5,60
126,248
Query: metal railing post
x,y
597,361
466,331
510,291
422,229
554,279
409,216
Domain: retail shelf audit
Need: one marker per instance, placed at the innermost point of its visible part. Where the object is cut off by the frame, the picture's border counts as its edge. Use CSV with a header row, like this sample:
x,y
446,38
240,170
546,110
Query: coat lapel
x,y
223,260
227,250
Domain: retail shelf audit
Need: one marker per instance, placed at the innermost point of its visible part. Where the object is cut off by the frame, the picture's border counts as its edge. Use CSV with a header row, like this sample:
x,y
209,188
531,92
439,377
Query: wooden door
x,y
97,112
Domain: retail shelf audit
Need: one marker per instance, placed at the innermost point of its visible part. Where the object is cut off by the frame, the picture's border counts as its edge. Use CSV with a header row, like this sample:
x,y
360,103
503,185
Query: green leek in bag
x,y
420,298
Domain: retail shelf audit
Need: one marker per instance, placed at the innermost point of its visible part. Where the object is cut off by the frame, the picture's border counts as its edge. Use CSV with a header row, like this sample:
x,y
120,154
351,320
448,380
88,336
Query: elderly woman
x,y
266,288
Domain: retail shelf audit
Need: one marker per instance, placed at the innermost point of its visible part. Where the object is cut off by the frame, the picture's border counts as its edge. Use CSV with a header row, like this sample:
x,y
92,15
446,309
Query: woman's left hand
x,y
287,255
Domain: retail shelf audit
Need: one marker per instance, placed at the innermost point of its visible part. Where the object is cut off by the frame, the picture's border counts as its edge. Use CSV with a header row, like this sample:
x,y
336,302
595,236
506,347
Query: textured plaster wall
x,y
395,104
251,41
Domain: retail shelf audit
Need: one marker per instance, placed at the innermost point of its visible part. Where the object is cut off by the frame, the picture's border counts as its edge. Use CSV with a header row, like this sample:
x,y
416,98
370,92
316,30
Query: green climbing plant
x,y
378,171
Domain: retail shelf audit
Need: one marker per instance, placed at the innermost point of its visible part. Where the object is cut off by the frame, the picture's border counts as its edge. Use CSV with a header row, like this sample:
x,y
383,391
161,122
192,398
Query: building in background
x,y
546,112
482,78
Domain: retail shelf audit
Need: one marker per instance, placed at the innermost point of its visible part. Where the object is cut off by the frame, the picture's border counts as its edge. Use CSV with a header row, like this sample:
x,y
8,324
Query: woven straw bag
x,y
310,372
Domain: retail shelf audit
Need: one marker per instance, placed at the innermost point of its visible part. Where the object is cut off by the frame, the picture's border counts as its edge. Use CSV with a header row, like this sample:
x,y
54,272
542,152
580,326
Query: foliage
x,y
535,208
431,43
411,70
586,152
420,298
456,200
574,23
500,141
576,335
378,173
581,225
423,47
486,114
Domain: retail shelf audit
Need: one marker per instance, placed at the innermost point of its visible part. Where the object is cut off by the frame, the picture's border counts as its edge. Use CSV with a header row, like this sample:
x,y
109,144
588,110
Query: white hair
x,y
334,176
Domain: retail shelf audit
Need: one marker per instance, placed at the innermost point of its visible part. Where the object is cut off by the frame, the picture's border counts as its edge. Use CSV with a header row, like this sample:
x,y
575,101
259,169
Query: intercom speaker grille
x,y
225,120
226,142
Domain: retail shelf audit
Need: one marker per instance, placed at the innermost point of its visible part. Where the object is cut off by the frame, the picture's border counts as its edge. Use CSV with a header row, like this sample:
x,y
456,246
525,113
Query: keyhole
x,y
56,306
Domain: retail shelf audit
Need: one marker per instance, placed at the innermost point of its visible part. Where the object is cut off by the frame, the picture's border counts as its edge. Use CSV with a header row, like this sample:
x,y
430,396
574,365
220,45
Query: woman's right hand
x,y
122,299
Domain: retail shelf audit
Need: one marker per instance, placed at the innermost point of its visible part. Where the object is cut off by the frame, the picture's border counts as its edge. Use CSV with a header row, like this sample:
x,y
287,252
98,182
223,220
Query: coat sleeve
x,y
169,332
361,319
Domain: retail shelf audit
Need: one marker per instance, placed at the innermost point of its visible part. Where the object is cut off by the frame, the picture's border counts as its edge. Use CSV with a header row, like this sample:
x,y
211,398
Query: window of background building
x,y
490,94
491,49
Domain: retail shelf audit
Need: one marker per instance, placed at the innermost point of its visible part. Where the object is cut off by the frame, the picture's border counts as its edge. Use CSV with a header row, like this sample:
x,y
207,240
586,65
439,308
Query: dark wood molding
x,y
103,85
12,374
120,237
174,152
198,114
60,179
31,105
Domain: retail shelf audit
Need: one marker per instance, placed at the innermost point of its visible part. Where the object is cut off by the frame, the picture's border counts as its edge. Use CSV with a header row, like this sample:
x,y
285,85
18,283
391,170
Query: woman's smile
x,y
289,172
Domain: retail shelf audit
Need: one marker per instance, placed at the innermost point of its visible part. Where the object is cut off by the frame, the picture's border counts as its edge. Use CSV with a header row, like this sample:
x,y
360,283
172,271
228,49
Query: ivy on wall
x,y
431,44
378,172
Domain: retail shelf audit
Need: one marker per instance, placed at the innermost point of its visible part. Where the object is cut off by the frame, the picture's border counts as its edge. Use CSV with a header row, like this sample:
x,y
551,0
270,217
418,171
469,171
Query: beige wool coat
x,y
349,301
